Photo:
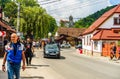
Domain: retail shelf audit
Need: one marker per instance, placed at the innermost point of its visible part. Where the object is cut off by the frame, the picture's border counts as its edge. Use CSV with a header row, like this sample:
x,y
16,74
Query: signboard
x,y
2,33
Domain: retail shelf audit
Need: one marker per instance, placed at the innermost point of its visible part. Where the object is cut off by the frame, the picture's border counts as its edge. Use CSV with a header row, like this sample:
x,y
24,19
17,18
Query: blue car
x,y
51,50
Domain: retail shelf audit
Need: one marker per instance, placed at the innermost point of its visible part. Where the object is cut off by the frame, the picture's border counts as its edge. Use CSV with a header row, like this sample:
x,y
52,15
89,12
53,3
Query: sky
x,y
62,9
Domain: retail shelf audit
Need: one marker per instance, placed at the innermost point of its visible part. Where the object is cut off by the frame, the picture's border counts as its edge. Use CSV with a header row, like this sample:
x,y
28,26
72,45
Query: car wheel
x,y
58,56
45,56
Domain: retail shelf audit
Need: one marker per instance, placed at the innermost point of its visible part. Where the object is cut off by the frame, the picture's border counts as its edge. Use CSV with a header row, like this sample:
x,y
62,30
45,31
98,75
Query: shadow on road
x,y
40,65
32,77
30,67
61,58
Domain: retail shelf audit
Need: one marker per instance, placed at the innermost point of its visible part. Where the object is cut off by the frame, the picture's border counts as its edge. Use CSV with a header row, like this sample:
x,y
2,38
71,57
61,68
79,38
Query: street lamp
x,y
49,34
18,15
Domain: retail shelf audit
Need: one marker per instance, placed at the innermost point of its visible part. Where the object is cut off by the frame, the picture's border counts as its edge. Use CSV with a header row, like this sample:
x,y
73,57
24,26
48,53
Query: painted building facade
x,y
97,39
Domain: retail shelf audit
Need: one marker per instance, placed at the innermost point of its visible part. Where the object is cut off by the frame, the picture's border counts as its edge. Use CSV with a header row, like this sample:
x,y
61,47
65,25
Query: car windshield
x,y
52,46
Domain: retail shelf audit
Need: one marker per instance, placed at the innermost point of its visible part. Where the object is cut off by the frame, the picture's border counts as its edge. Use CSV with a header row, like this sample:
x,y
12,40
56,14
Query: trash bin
x,y
80,51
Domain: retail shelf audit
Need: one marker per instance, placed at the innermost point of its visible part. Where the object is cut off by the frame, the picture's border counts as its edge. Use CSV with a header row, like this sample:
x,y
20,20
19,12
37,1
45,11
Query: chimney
x,y
0,14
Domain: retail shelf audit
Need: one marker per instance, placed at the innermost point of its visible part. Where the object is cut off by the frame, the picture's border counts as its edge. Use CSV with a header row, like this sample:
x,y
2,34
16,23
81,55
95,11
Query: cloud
x,y
77,8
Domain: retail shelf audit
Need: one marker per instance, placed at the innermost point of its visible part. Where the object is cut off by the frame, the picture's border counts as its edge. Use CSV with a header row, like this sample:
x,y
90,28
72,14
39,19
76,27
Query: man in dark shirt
x,y
29,51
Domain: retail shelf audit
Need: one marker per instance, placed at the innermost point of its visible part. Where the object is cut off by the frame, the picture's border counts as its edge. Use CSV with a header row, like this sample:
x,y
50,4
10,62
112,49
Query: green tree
x,y
33,18
3,3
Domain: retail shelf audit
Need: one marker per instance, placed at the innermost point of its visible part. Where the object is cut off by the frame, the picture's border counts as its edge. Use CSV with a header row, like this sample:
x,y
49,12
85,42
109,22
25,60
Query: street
x,y
69,66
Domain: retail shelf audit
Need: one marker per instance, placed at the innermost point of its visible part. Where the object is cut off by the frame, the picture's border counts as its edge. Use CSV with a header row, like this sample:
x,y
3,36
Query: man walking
x,y
29,51
14,53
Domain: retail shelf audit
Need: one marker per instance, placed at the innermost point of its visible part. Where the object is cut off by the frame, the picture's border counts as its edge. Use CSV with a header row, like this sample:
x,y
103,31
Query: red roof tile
x,y
106,35
102,19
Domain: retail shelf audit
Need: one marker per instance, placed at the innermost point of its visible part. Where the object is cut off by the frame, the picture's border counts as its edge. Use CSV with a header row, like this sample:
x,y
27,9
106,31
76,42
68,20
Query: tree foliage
x,y
33,18
3,2
87,21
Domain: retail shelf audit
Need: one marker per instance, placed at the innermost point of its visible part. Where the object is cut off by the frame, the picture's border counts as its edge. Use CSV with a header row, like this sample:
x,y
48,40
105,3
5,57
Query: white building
x,y
98,37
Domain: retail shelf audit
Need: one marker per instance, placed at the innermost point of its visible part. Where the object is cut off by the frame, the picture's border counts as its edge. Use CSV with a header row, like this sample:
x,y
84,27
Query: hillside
x,y
87,21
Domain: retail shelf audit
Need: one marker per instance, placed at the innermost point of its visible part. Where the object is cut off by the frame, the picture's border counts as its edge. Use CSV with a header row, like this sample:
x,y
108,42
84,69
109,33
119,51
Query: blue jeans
x,y
13,69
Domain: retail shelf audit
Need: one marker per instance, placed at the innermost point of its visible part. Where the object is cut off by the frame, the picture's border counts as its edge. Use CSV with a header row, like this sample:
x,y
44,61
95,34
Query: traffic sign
x,y
2,33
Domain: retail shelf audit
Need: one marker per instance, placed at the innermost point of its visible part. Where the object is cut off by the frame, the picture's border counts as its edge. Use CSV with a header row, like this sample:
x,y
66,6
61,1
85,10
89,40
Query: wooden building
x,y
70,35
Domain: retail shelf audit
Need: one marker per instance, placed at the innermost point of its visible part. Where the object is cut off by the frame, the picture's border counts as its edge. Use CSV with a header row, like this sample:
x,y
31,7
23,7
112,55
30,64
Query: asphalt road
x,y
71,66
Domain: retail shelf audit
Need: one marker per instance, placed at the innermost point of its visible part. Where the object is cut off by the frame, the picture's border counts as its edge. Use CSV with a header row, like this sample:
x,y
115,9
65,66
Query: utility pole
x,y
18,18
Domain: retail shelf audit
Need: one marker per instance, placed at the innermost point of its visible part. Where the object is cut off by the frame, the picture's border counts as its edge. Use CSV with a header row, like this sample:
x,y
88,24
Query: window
x,y
117,20
116,31
84,40
89,40
95,45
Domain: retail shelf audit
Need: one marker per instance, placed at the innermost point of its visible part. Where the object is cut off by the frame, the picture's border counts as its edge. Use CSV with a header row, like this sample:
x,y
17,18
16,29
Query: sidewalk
x,y
3,75
38,70
100,58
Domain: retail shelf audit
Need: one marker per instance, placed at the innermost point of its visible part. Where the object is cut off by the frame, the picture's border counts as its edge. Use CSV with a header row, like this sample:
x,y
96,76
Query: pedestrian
x,y
29,51
118,53
113,51
14,53
40,45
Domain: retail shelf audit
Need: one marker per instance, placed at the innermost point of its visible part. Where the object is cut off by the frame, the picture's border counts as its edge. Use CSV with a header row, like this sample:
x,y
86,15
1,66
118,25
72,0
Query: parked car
x,y
51,50
66,45
79,46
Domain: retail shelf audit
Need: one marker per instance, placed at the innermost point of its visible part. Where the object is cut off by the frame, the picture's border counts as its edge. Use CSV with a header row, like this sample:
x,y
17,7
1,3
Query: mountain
x,y
87,21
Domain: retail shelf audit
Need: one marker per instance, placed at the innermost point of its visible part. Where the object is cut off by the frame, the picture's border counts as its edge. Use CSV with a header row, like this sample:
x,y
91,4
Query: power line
x,y
73,5
49,2
95,3
44,0
70,8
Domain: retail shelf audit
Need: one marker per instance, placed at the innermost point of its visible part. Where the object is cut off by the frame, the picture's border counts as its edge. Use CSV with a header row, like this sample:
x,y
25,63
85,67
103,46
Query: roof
x,y
106,34
6,26
102,19
3,25
73,32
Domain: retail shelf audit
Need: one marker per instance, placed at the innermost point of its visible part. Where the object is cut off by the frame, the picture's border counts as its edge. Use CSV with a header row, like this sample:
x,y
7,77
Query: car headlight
x,y
47,52
57,52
